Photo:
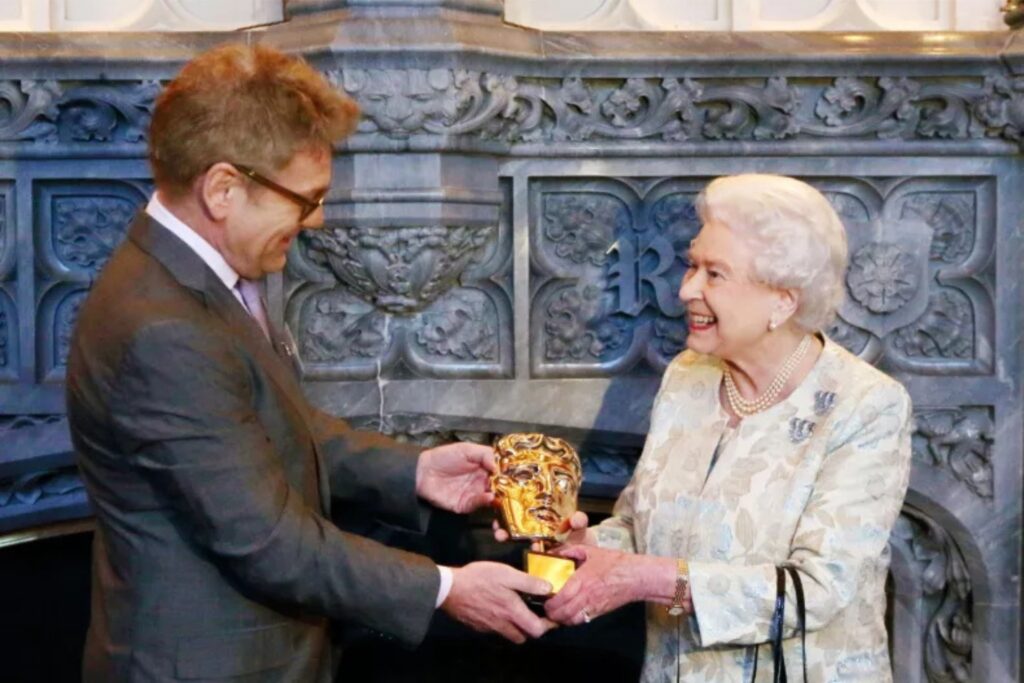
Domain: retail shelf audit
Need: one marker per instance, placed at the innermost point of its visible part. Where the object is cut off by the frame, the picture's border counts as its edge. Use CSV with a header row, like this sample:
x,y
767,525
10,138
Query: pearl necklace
x,y
744,408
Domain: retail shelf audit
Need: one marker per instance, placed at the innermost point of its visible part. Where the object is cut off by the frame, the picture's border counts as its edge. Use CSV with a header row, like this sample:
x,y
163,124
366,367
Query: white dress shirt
x,y
212,258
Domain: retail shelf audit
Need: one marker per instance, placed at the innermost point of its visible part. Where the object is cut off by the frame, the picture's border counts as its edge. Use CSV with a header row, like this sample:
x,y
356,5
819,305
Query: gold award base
x,y
552,568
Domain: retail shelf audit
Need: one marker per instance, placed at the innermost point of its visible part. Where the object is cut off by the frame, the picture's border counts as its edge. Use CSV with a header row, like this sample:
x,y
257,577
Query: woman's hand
x,y
577,536
608,579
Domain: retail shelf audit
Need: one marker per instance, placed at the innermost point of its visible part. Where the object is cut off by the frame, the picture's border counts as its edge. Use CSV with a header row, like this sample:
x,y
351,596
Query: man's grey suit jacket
x,y
211,478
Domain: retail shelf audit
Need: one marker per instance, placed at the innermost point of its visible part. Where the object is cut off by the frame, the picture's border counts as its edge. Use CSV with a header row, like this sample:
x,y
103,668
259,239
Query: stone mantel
x,y
466,283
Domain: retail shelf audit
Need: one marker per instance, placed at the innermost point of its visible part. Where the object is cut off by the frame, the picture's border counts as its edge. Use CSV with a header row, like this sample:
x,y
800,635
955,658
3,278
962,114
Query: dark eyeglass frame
x,y
309,206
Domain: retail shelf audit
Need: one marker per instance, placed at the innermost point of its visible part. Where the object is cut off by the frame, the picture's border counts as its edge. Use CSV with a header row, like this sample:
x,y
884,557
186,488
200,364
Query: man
x,y
210,474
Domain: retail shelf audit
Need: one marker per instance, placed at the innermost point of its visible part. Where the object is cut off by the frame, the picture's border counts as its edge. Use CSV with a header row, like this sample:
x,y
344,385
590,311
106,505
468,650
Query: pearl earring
x,y
772,325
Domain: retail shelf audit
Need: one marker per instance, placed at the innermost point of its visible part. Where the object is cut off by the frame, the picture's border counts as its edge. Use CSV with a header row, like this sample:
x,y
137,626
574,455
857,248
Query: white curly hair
x,y
798,240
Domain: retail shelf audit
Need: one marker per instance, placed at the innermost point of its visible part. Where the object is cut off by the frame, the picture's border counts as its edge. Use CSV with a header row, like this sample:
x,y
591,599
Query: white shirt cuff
x,y
446,585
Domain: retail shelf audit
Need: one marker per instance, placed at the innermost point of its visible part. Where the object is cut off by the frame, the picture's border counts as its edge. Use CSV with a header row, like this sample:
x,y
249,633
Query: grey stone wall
x,y
504,237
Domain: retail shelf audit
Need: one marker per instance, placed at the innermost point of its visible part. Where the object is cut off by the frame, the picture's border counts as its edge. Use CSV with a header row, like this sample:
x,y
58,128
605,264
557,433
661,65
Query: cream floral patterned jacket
x,y
815,482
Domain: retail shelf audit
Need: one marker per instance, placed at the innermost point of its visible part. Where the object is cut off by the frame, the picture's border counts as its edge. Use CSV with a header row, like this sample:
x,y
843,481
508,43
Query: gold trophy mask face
x,y
536,486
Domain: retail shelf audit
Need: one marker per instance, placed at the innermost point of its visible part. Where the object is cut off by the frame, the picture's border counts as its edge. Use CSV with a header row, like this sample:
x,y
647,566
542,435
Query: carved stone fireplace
x,y
503,242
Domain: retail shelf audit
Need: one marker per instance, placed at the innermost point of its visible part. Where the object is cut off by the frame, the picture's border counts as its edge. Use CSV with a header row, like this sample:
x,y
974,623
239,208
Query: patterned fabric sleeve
x,y
618,531
840,538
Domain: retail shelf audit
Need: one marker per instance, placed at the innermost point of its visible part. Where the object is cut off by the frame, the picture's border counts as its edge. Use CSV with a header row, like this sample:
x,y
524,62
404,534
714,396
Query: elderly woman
x,y
769,446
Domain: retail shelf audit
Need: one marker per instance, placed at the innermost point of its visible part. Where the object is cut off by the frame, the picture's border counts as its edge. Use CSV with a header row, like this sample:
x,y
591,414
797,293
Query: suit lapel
x,y
191,271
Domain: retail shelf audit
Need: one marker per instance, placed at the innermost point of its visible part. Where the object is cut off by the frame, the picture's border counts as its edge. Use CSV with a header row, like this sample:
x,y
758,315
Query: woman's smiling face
x,y
727,311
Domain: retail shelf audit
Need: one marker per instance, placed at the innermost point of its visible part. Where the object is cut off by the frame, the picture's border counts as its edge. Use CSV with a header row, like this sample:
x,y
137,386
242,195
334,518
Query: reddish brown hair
x,y
250,105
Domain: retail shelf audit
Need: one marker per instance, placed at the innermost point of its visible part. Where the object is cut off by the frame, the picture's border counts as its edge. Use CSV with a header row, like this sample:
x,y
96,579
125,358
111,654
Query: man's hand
x,y
456,476
483,597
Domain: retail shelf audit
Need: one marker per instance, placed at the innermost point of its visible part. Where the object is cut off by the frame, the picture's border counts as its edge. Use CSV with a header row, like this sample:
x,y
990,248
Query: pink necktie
x,y
250,291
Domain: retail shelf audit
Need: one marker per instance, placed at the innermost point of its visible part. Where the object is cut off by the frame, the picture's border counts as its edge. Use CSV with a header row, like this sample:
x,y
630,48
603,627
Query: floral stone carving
x,y
583,226
882,277
959,441
945,584
459,326
98,111
887,279
946,330
86,230
339,326
400,270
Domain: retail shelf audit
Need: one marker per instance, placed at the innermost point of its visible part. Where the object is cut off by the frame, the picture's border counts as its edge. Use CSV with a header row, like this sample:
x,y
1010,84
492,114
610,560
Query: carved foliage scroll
x,y
399,103
91,112
946,597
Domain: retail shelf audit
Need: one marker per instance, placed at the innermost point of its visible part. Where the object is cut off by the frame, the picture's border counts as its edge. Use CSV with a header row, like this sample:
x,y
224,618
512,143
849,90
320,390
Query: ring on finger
x,y
585,615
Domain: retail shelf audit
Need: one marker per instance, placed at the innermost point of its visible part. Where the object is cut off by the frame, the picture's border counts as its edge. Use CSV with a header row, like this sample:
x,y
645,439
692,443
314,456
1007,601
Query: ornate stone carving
x,y
948,599
579,325
4,339
459,326
404,102
946,330
30,488
583,226
3,227
336,326
882,277
400,270
887,276
960,441
13,423
47,111
952,218
86,230
64,325
849,207
1001,107
852,338
612,261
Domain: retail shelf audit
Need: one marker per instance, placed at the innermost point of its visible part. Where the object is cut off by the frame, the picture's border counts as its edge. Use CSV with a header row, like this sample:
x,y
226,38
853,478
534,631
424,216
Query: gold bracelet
x,y
682,583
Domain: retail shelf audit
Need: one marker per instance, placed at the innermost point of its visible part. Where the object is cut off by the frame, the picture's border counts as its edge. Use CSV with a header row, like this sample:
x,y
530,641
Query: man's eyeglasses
x,y
308,205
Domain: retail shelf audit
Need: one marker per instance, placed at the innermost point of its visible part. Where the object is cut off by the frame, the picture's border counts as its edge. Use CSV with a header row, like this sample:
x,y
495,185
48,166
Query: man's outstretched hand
x,y
484,597
456,476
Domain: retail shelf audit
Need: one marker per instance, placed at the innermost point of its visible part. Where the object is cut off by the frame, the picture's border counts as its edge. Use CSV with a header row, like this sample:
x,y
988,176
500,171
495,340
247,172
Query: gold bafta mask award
x,y
536,489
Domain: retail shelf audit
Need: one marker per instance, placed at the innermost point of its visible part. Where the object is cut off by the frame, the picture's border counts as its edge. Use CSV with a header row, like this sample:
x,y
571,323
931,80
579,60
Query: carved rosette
x,y
942,579
882,277
960,442
422,299
608,256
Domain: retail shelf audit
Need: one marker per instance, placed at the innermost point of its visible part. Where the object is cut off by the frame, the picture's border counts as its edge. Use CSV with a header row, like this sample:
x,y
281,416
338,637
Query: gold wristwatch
x,y
682,581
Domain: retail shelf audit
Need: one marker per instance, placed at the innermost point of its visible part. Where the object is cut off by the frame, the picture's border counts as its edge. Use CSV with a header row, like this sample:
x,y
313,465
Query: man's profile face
x,y
536,486
257,236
